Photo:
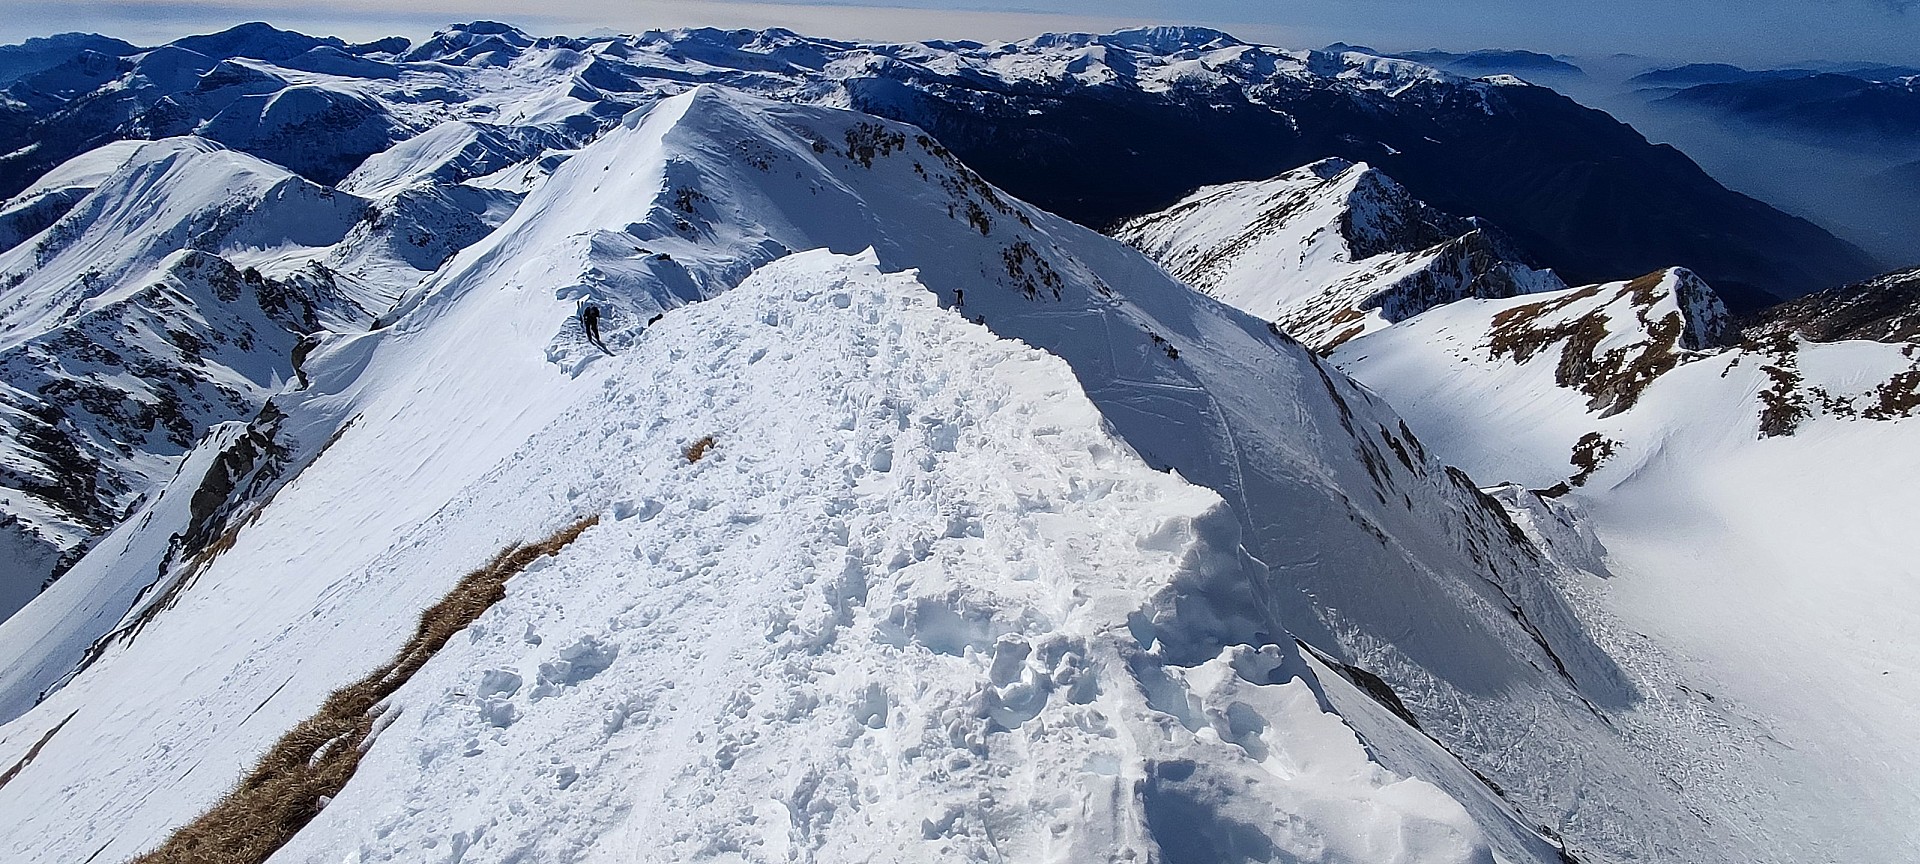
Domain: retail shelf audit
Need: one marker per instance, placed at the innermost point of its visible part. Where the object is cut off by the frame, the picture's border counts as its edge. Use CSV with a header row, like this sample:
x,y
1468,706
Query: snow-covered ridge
x,y
136,320
860,626
1885,309
1330,251
1333,515
639,174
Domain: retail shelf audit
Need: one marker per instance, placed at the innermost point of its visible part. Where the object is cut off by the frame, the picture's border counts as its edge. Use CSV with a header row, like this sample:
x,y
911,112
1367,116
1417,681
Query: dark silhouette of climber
x,y
590,325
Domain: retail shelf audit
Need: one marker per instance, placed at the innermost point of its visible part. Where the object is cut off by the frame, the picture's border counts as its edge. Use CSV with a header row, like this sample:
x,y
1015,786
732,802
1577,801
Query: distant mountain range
x,y
708,446
1834,142
1475,64
1824,107
1097,129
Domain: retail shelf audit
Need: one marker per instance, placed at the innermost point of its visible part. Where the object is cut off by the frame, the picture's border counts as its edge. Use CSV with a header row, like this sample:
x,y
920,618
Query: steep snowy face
x,y
1421,600
163,197
1330,251
1745,497
155,289
136,320
50,197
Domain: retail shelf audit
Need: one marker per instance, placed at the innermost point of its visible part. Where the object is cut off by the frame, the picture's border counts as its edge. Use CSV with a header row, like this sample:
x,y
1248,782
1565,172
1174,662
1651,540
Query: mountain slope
x,y
135,321
1883,309
940,667
1638,413
1330,251
1745,497
305,103
1418,597
158,289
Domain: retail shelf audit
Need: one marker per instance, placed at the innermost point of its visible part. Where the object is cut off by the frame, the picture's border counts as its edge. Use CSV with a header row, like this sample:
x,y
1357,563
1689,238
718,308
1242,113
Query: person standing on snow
x,y
590,325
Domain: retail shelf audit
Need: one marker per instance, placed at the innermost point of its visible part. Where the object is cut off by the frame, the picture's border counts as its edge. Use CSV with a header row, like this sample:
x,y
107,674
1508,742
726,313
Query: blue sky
x,y
1749,31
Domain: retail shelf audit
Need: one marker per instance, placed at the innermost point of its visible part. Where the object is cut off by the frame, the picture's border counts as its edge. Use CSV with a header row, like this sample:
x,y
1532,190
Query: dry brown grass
x,y
698,449
33,752
315,760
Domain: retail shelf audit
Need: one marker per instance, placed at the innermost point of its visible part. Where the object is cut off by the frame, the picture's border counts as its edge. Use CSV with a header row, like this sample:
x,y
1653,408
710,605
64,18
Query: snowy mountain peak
x,y
1708,325
485,43
1330,250
1381,216
1611,341
1170,39
1328,168
256,40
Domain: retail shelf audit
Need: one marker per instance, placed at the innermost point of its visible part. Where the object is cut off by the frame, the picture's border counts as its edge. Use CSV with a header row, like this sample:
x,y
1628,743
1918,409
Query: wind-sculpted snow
x,y
1330,251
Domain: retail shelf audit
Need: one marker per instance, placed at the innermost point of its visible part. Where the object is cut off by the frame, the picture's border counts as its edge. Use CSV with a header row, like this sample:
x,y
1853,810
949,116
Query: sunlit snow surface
x,y
1769,581
884,618
462,416
970,574
1757,589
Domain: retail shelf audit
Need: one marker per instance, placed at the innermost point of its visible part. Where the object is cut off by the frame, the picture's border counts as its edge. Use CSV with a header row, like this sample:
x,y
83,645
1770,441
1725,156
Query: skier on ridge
x,y
590,325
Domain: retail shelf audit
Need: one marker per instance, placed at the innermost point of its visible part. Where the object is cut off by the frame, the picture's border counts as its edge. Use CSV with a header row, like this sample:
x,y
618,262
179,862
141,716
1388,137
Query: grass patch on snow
x,y
310,764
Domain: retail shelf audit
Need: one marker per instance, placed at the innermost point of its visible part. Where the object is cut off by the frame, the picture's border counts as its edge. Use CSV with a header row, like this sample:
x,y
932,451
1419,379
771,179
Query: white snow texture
x,y
1000,543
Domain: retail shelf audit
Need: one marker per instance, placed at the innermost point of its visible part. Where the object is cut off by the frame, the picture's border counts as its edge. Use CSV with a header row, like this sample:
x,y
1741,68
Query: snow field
x,y
1335,530
1759,592
886,617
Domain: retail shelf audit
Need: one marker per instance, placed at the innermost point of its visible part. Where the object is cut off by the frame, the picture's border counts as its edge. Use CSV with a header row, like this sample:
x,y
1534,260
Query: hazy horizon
x,y
1756,32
